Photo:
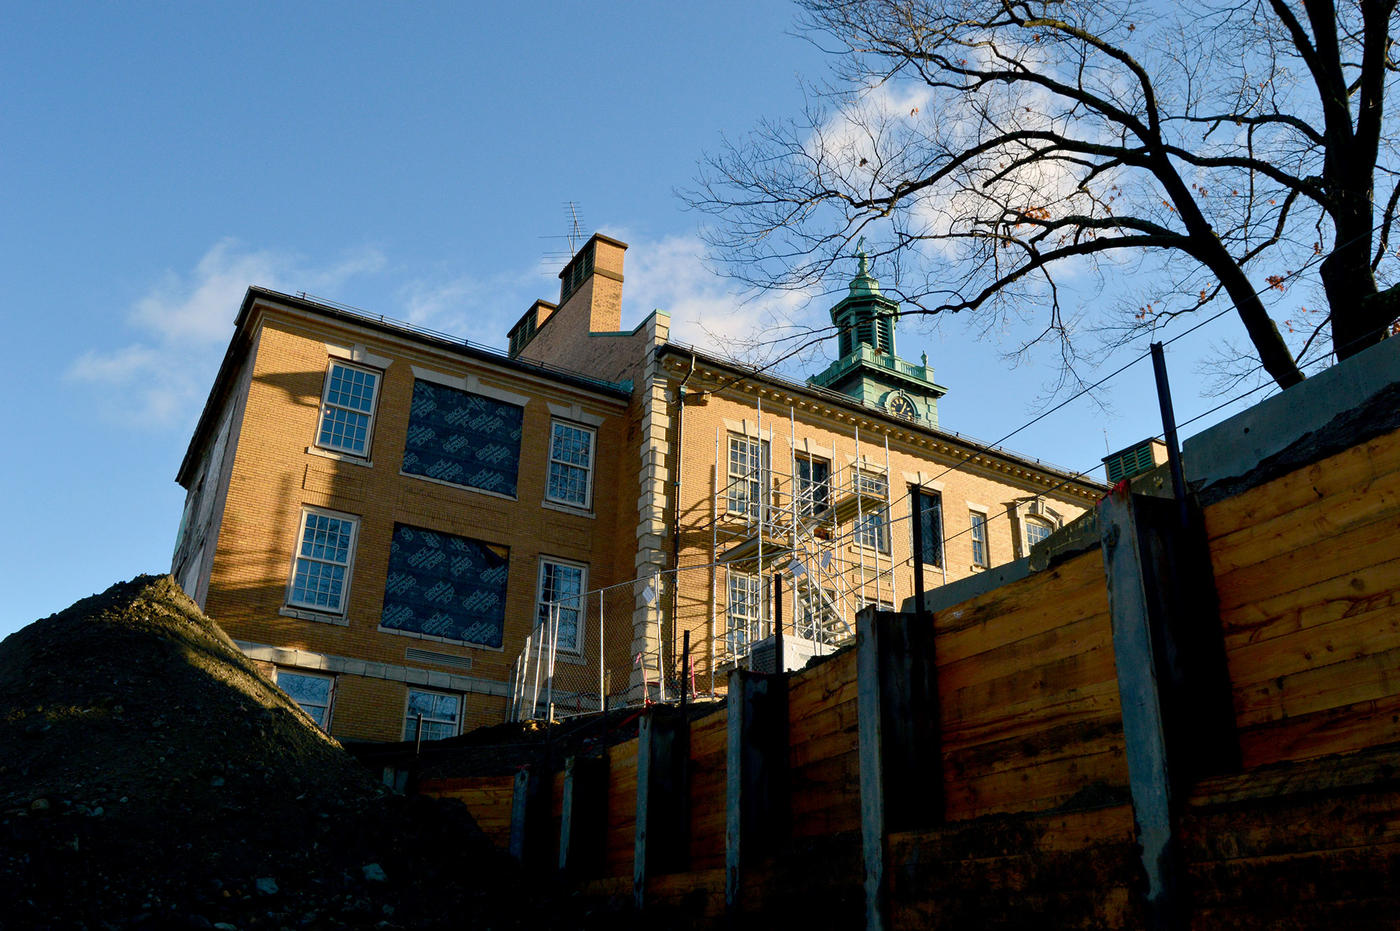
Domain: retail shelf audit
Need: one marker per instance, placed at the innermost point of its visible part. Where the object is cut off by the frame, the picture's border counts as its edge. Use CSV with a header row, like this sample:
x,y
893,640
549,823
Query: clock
x,y
899,404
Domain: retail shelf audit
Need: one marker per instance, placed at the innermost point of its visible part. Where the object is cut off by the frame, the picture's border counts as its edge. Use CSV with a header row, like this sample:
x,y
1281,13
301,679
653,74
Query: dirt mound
x,y
150,776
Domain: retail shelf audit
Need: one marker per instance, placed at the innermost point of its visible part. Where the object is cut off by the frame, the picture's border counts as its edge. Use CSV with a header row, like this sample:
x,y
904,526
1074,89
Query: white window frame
x,y
872,529
329,706
742,631
327,406
307,513
745,493
410,719
587,502
575,648
974,516
816,620
871,482
1035,522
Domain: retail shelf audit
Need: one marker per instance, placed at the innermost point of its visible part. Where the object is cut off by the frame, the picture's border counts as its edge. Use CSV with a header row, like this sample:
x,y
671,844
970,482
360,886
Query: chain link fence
x,y
678,634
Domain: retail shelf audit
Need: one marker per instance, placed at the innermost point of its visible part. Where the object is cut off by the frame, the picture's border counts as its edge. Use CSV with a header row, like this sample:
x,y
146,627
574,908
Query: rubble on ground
x,y
151,777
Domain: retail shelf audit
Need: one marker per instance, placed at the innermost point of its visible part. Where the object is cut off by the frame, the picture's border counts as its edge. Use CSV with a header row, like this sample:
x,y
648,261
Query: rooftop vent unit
x,y
1135,460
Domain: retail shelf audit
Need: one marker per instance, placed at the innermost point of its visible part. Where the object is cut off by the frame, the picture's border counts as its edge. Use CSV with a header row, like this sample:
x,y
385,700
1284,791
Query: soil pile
x,y
150,776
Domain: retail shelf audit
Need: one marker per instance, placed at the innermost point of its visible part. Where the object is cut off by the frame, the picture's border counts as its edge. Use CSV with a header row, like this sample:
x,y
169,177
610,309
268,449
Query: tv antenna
x,y
574,235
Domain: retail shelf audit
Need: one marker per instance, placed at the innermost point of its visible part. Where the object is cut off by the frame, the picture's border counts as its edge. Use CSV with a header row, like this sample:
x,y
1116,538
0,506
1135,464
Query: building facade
x,y
398,523
375,512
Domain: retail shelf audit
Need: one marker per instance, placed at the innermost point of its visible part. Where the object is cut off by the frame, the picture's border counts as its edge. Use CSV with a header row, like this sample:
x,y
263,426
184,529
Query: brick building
x,y
397,522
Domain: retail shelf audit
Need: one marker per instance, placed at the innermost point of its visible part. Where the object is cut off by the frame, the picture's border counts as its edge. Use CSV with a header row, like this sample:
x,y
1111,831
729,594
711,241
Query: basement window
x,y
441,711
312,693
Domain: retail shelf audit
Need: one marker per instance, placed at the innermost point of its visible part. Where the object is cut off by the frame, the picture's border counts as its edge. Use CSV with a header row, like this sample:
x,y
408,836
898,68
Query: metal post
x,y
685,664
714,558
607,687
860,520
539,661
418,736
886,525
660,642
553,652
778,622
602,656
1164,401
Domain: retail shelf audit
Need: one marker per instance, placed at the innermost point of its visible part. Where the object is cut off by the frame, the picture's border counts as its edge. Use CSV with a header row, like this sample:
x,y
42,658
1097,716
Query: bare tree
x,y
1225,152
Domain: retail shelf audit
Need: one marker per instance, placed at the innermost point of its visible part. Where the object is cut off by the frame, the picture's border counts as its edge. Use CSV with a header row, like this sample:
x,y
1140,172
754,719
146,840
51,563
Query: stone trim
x,y
471,382
292,658
357,352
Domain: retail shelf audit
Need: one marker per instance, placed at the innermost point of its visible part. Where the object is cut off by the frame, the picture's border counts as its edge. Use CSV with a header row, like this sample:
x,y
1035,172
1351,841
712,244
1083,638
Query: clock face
x,y
900,405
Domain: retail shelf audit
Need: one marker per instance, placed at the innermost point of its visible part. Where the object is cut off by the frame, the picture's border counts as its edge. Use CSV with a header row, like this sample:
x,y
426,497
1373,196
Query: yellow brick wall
x,y
274,476
702,590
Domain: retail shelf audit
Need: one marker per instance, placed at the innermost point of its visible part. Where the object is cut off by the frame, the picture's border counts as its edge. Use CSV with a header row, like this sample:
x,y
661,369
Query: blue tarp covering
x,y
445,586
464,438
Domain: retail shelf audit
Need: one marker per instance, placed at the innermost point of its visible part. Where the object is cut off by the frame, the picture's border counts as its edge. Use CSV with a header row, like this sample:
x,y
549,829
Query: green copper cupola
x,y
865,316
868,368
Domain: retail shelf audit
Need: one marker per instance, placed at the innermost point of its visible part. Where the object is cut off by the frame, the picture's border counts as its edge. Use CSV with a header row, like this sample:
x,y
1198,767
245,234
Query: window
x,y
442,715
748,475
871,528
817,616
445,586
312,693
464,438
560,597
321,575
872,532
872,483
930,547
812,485
570,464
742,612
979,539
347,409
1036,530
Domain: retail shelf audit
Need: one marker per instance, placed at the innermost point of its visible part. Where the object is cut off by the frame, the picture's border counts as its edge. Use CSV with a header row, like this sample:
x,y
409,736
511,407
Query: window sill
x,y
340,457
320,617
417,636
457,485
567,508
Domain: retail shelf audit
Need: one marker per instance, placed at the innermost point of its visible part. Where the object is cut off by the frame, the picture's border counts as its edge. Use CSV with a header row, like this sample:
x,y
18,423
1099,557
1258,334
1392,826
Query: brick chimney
x,y
590,301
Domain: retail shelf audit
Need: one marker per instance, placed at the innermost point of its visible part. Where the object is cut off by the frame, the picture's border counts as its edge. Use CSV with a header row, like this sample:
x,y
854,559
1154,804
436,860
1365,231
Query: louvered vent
x,y
1135,460
439,659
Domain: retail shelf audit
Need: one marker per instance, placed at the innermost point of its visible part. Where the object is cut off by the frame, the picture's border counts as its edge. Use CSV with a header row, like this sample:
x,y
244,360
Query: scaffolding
x,y
820,529
807,546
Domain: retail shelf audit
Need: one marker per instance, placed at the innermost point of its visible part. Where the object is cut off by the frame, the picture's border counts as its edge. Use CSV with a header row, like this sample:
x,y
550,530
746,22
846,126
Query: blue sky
x,y
409,159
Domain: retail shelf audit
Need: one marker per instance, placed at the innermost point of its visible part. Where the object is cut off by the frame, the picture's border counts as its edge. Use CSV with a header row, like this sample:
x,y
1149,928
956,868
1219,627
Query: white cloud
x,y
710,312
479,309
184,322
